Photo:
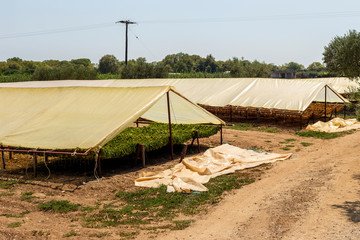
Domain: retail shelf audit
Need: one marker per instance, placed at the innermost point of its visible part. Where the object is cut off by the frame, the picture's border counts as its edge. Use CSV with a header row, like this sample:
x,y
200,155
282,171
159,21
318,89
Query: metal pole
x,y
170,130
325,101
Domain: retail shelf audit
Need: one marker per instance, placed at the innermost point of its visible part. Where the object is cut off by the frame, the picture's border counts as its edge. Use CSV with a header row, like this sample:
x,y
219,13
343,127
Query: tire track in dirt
x,y
279,204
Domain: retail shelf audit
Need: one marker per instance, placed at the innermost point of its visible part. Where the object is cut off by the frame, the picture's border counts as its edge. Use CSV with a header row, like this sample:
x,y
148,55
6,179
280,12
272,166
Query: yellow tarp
x,y
334,125
85,117
193,172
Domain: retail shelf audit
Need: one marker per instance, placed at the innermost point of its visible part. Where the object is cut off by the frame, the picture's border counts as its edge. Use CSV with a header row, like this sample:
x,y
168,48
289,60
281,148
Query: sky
x,y
278,31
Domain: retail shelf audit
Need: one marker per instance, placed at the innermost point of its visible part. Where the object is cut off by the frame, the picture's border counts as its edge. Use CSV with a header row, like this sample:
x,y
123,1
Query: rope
x,y
27,163
47,167
95,168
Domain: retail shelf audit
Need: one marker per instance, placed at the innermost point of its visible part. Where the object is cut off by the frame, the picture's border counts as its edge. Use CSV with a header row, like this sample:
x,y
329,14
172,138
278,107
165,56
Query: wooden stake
x,y
221,134
35,164
183,152
3,159
142,154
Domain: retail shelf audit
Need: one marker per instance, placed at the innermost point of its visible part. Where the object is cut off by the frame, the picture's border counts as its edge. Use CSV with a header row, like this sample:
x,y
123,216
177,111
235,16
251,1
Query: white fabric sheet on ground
x,y
334,125
193,172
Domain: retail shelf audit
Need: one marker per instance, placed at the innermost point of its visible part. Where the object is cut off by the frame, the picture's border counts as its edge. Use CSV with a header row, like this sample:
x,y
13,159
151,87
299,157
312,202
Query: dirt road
x,y
312,196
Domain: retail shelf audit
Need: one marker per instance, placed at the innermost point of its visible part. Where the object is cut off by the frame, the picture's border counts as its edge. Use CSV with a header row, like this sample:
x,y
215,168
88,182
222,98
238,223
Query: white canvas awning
x,y
286,94
86,117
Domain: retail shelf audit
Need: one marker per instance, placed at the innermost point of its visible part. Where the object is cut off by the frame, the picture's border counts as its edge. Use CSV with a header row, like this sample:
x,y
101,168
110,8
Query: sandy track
x,y
312,196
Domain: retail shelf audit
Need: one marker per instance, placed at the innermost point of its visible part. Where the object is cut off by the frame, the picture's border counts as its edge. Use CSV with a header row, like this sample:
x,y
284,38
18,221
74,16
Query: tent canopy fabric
x,y
86,117
341,85
287,94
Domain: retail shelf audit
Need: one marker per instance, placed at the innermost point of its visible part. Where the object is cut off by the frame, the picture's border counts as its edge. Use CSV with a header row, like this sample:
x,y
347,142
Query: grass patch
x,y
290,146
14,224
27,196
70,234
290,140
306,144
88,209
253,127
7,184
181,224
100,235
285,148
323,135
128,234
58,206
154,204
21,215
6,194
268,141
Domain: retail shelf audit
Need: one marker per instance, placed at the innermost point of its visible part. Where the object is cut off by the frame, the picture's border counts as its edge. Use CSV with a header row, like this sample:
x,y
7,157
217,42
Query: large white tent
x,y
87,117
285,94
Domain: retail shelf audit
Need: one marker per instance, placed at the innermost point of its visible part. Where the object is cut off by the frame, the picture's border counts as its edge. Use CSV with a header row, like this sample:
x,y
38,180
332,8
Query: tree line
x,y
180,65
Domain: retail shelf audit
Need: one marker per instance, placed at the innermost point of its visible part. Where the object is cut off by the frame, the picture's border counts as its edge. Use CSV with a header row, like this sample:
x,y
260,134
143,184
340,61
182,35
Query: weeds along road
x,y
312,196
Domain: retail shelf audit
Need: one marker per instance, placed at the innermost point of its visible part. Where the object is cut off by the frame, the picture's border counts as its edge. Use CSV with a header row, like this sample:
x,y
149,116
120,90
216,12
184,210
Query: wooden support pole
x,y
344,109
197,140
35,164
10,155
301,120
170,130
142,147
3,159
221,134
183,152
137,122
137,154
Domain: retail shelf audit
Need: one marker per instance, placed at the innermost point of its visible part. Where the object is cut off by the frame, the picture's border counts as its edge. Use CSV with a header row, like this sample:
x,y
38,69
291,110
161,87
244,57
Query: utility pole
x,y
126,22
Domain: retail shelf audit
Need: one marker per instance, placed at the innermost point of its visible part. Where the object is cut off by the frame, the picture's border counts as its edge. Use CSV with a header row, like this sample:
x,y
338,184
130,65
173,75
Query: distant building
x,y
283,74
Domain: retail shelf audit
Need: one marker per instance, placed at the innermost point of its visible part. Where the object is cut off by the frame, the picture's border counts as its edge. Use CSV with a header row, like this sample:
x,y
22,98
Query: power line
x,y
319,15
58,30
142,42
260,18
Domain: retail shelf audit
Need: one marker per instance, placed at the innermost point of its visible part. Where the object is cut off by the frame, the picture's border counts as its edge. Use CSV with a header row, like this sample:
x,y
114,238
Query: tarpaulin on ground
x,y
286,94
193,172
334,125
86,117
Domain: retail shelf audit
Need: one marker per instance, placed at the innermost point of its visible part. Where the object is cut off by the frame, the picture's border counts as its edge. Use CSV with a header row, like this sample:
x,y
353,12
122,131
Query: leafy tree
x,y
139,69
316,67
342,55
292,66
109,64
14,59
85,62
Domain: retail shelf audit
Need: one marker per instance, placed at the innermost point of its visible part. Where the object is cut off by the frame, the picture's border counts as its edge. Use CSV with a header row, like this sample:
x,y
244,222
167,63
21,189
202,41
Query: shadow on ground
x,y
352,210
